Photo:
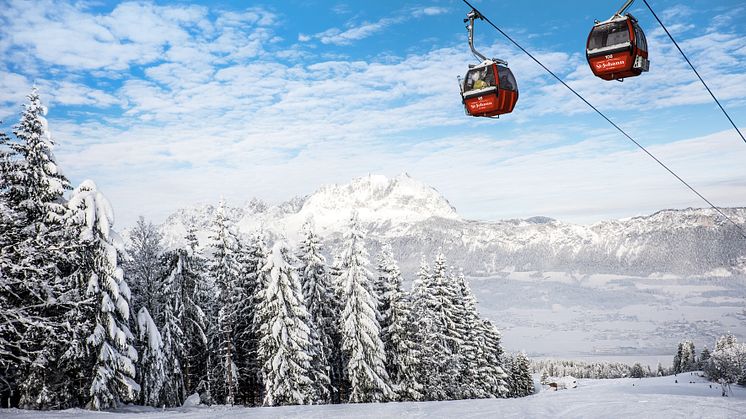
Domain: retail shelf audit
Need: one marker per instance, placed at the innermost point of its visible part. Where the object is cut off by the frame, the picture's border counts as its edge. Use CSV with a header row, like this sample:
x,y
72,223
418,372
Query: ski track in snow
x,y
659,397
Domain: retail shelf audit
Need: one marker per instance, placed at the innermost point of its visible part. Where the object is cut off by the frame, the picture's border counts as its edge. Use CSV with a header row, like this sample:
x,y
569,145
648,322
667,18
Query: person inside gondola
x,y
482,79
505,83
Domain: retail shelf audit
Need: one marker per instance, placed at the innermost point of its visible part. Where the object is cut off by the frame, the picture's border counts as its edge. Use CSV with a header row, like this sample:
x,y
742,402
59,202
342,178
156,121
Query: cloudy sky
x,y
168,104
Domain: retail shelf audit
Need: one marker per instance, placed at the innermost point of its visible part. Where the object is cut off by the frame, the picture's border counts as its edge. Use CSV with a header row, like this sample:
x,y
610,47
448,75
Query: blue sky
x,y
167,104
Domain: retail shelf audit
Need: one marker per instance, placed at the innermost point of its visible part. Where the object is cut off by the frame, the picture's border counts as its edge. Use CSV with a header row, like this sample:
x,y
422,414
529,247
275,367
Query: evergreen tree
x,y
398,335
319,296
494,377
430,339
252,256
704,358
197,299
439,342
476,378
36,186
660,372
152,363
170,317
521,376
225,270
284,344
34,257
688,356
677,359
637,371
144,270
110,339
360,328
340,383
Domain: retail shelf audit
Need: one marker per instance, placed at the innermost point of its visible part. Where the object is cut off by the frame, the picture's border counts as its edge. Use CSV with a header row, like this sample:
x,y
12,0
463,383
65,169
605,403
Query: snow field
x,y
658,397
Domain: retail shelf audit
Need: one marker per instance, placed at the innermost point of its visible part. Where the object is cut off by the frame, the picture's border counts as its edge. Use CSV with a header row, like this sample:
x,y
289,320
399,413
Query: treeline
x,y
90,322
593,370
725,364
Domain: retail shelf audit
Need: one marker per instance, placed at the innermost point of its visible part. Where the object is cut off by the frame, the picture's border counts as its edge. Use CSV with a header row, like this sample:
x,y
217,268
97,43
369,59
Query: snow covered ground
x,y
659,397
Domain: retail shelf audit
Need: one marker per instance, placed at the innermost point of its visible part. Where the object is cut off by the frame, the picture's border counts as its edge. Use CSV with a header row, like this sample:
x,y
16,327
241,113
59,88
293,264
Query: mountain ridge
x,y
416,219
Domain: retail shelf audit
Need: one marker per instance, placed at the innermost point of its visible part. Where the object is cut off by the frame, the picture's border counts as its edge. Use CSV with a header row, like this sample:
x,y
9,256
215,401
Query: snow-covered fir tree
x,y
704,358
170,316
144,268
688,360
284,345
110,339
252,256
520,377
677,358
441,368
361,340
225,270
727,364
197,299
35,258
36,185
398,334
494,378
319,298
476,377
153,374
340,384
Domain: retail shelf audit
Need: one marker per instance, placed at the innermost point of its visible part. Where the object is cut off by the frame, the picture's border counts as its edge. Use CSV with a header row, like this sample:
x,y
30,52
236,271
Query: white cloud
x,y
347,36
429,11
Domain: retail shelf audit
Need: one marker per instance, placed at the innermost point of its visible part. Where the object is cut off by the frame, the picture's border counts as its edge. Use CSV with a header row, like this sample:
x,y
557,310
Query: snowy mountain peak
x,y
378,199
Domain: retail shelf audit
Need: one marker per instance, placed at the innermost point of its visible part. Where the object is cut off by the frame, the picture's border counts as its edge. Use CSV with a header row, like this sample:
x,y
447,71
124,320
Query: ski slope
x,y
659,397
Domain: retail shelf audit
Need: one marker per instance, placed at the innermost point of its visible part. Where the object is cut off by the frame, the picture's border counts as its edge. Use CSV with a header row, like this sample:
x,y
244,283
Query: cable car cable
x,y
695,70
486,19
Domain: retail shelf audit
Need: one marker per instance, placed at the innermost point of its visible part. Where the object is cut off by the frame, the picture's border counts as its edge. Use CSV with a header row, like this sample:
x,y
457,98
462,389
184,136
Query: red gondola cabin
x,y
486,95
617,48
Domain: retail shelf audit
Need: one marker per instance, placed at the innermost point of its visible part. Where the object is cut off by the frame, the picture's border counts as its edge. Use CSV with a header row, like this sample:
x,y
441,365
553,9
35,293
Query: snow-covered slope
x,y
685,396
417,219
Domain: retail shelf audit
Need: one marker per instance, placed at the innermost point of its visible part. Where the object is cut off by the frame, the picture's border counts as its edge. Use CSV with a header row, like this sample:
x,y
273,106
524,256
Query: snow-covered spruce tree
x,y
171,311
113,371
197,298
14,312
441,364
252,256
152,363
727,363
475,376
704,358
284,345
144,268
37,185
688,356
677,358
34,255
360,328
319,296
430,339
225,270
523,384
398,335
340,383
494,377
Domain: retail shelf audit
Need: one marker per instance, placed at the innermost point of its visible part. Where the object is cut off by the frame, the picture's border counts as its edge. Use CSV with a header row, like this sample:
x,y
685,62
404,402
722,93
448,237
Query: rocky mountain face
x,y
418,220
